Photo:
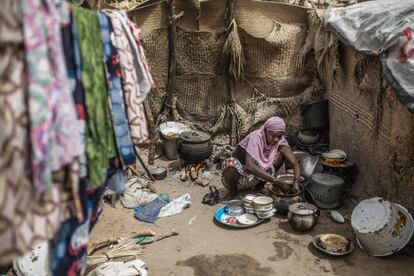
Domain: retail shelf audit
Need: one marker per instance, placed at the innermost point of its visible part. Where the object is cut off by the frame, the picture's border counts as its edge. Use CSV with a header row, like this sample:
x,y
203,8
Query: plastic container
x,y
326,190
315,115
170,132
381,227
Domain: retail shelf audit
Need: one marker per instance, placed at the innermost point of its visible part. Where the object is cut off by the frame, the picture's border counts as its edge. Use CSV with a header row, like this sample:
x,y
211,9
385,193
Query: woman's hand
x,y
282,186
296,186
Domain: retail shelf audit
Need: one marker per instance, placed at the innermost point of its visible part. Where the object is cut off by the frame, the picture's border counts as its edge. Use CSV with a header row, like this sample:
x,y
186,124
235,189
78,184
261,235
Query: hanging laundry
x,y
100,144
74,70
27,215
54,142
130,83
136,31
113,78
143,80
69,247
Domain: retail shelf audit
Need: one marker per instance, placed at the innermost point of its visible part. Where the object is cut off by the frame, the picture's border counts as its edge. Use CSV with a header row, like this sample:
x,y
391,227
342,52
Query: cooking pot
x,y
308,137
316,115
159,173
234,208
281,200
263,203
169,132
194,146
303,216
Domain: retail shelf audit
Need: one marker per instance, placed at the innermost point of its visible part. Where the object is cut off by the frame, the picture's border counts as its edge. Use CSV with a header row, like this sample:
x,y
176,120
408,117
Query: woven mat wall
x,y
271,34
384,152
366,119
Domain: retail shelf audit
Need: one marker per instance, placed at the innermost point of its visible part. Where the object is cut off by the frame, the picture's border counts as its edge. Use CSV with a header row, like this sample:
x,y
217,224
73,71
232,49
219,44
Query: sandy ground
x,y
205,248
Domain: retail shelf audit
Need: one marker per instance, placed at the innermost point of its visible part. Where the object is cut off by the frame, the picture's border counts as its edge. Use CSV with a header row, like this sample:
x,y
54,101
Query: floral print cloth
x,y
29,213
54,140
130,82
247,180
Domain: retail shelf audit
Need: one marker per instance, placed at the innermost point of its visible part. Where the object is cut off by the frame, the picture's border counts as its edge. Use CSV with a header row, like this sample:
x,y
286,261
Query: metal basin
x,y
308,165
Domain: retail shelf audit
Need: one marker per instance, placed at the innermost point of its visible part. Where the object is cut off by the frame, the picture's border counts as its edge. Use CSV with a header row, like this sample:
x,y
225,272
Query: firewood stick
x,y
166,235
93,246
134,171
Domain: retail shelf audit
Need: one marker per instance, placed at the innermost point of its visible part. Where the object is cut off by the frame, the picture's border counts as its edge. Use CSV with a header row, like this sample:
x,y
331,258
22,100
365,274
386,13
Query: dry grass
x,y
233,53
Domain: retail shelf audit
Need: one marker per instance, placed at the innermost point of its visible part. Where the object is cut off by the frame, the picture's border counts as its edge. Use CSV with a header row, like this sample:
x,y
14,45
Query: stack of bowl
x,y
248,203
263,207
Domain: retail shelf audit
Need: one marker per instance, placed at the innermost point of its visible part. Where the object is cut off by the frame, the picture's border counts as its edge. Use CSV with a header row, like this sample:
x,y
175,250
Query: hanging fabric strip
x,y
27,216
74,71
136,31
131,87
100,145
143,80
113,78
54,142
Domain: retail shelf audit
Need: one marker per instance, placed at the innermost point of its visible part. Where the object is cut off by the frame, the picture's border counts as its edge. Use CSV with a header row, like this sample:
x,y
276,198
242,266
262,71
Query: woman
x,y
255,159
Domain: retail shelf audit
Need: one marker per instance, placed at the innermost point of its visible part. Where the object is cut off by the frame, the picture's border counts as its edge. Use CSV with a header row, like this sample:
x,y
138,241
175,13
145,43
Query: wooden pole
x,y
230,81
143,165
172,64
151,132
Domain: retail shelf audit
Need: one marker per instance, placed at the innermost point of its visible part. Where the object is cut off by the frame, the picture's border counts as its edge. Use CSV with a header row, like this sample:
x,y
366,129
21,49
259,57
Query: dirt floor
x,y
204,248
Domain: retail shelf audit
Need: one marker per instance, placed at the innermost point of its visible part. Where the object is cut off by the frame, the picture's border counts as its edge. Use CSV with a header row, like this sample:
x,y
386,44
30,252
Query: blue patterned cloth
x,y
150,212
113,78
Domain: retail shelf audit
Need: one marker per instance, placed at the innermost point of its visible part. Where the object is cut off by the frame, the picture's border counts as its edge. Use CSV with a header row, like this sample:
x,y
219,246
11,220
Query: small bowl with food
x,y
334,243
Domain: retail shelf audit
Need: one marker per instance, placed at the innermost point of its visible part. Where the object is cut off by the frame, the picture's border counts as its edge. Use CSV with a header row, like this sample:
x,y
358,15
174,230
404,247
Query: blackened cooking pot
x,y
194,146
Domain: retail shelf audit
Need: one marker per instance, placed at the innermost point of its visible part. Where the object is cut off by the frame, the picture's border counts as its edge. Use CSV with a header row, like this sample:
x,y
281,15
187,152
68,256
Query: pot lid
x,y
194,137
371,215
327,180
303,208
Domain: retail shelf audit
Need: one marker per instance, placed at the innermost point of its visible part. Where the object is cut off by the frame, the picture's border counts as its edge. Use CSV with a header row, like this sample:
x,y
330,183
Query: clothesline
x,y
72,109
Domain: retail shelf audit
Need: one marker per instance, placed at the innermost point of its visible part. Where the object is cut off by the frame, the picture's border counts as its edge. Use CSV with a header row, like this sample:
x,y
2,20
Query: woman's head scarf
x,y
256,144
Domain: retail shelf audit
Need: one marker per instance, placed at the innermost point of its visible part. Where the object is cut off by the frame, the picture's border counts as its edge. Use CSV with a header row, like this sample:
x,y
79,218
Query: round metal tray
x,y
221,215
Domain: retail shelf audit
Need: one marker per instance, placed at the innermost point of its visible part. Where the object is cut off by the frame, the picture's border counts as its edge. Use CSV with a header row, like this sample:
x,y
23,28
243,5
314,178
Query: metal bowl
x,y
159,173
172,130
308,137
308,165
235,208
300,155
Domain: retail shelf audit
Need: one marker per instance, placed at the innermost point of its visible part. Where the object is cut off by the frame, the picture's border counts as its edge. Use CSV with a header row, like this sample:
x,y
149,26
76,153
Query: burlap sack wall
x,y
271,34
366,119
283,48
383,150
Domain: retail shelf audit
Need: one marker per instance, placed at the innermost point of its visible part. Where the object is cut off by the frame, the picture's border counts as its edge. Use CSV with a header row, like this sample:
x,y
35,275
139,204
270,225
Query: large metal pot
x,y
316,115
381,227
194,146
303,216
326,190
